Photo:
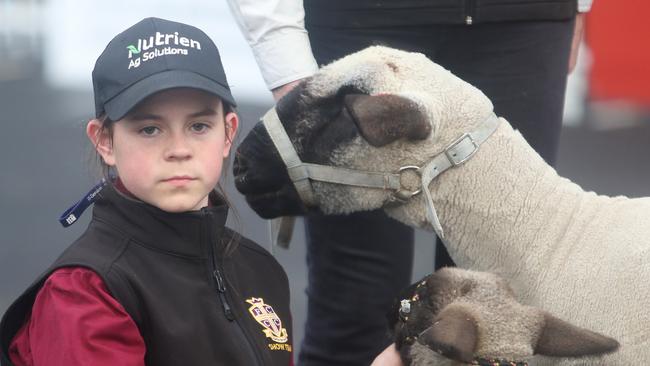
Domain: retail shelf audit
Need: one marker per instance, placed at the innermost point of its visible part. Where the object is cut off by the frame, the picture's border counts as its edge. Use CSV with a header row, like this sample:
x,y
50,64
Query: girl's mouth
x,y
179,180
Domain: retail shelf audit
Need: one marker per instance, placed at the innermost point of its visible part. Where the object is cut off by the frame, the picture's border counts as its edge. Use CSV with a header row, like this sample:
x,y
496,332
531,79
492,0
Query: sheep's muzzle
x,y
261,176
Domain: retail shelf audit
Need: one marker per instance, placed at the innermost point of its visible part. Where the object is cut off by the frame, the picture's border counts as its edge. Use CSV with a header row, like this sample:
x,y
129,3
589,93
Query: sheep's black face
x,y
318,126
315,126
463,315
427,298
260,174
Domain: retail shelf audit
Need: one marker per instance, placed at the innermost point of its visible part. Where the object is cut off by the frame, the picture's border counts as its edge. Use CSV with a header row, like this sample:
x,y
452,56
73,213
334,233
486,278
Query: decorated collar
x,y
405,312
492,362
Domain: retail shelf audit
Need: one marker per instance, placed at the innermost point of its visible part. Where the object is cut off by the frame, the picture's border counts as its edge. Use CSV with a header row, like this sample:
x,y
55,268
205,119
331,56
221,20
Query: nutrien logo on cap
x,y
160,39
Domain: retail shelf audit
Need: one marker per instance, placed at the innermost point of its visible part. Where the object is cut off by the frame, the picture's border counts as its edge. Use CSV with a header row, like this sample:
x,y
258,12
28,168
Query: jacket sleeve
x,y
275,31
75,321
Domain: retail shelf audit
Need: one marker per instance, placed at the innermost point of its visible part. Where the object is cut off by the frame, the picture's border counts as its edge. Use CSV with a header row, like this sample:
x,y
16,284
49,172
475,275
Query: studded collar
x,y
405,311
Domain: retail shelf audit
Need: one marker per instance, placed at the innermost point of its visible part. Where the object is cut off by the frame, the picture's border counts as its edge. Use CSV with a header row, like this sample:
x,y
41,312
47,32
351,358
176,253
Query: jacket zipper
x,y
221,291
469,11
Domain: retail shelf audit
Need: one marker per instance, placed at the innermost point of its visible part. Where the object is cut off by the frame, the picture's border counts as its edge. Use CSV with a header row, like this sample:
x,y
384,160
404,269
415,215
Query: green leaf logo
x,y
133,49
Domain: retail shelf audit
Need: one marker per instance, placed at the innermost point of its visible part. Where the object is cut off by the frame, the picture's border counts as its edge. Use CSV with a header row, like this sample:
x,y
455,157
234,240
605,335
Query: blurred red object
x,y
618,34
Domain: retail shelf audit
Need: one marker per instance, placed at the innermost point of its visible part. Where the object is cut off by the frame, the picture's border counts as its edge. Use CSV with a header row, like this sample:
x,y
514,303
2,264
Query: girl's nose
x,y
178,149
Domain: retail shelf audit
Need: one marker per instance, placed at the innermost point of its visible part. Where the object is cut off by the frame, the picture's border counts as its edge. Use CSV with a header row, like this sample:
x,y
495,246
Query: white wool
x,y
508,330
581,256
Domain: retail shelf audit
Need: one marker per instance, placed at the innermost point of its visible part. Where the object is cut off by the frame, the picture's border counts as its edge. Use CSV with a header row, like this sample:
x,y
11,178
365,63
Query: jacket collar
x,y
186,234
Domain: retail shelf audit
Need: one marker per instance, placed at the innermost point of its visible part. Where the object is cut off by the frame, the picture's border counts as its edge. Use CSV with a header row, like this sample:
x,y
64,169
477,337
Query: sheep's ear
x,y
454,334
382,119
561,339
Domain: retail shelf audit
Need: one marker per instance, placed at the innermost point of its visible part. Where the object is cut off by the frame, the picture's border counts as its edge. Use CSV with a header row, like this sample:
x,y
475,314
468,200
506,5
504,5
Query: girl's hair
x,y
107,128
108,173
231,246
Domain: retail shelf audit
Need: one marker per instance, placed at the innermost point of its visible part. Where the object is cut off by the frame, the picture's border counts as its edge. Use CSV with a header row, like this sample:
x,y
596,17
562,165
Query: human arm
x,y
280,91
583,7
388,357
75,321
275,31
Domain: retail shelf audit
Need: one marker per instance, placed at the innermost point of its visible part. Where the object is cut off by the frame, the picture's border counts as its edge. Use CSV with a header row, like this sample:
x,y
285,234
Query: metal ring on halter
x,y
402,195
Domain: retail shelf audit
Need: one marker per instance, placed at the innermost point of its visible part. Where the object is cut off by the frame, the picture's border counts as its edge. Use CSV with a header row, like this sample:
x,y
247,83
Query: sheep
x,y
455,317
576,254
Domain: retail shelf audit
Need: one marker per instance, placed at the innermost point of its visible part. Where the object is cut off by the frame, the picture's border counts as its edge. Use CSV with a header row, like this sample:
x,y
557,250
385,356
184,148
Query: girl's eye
x,y
150,131
200,127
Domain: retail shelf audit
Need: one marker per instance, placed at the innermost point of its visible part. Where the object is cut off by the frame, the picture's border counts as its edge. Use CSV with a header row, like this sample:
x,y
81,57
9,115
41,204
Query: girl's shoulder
x,y
71,293
72,310
243,249
235,240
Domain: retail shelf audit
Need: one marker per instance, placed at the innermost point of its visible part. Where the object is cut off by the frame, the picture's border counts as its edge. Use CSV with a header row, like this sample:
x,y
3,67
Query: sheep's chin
x,y
422,355
340,199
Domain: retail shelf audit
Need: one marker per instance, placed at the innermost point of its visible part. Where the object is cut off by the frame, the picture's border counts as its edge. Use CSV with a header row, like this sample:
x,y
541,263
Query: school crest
x,y
266,316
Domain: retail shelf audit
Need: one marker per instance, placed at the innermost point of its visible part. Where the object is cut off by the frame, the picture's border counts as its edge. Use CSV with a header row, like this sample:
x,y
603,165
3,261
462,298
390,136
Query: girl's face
x,y
169,150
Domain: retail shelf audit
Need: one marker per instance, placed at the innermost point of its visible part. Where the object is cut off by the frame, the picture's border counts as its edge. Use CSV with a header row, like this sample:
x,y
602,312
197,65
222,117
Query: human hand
x,y
578,30
280,91
388,357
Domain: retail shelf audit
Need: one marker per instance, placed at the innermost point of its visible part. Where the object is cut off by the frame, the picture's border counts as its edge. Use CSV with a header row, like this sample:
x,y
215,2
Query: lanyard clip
x,y
71,215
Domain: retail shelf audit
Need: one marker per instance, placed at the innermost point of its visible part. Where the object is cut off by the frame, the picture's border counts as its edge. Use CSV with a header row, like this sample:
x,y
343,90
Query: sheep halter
x,y
301,173
457,153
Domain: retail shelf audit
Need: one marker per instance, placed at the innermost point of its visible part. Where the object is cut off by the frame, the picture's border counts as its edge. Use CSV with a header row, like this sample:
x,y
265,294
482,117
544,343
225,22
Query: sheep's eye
x,y
349,89
332,107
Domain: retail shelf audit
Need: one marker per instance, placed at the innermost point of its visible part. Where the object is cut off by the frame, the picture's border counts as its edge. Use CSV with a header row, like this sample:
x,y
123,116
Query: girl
x,y
156,279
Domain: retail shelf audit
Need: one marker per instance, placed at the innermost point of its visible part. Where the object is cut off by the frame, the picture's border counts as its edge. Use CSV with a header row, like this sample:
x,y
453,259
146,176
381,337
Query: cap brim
x,y
121,104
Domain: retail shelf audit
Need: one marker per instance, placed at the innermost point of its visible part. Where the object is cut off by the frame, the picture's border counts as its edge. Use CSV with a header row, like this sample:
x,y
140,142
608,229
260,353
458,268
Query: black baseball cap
x,y
154,55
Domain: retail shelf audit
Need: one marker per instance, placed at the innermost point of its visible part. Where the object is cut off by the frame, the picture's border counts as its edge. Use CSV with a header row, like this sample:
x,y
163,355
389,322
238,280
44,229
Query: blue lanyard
x,y
71,215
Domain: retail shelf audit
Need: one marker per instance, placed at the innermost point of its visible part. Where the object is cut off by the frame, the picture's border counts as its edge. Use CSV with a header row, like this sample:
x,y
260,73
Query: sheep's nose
x,y
258,167
261,175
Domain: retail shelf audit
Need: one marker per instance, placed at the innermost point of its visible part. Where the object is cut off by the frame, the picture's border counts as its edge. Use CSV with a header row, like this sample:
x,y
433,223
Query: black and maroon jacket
x,y
193,301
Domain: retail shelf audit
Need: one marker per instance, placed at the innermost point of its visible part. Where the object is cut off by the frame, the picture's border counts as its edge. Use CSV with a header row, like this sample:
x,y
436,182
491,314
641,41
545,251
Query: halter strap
x,y
458,152
302,173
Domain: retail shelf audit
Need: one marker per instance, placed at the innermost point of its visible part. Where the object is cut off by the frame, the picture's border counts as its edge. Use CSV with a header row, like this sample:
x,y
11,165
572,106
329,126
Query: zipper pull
x,y
221,288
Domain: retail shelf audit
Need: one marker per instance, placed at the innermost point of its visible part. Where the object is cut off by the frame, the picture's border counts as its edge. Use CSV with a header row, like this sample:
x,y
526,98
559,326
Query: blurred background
x,y
47,52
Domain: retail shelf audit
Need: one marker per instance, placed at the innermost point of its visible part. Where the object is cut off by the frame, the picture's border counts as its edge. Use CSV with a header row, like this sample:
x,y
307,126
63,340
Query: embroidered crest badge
x,y
266,316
